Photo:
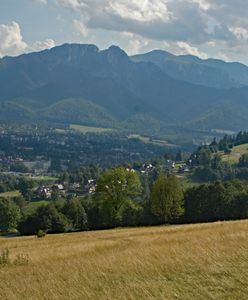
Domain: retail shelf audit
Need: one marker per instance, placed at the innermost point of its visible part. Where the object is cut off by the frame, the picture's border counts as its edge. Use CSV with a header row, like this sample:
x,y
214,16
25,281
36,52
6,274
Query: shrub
x,y
40,233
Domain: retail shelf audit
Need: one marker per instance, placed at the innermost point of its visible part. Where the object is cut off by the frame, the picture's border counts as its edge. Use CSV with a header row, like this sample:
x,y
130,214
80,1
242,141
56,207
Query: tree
x,y
167,198
179,156
75,213
243,161
216,201
25,186
46,218
55,194
55,166
9,215
205,157
19,167
114,188
20,202
131,214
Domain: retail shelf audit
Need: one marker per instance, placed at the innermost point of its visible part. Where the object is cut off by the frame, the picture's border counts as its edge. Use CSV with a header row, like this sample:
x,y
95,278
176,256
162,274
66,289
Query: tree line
x,y
118,201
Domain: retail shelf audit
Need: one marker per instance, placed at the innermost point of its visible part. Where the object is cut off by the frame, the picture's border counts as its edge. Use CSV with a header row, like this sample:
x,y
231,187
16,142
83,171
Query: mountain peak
x,y
116,49
160,56
115,54
160,52
76,49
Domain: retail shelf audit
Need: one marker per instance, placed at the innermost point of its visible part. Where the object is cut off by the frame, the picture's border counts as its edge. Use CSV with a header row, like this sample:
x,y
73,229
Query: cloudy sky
x,y
206,28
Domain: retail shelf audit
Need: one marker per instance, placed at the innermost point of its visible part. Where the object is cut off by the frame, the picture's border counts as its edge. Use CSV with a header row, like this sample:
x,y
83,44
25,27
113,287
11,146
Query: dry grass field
x,y
235,154
203,261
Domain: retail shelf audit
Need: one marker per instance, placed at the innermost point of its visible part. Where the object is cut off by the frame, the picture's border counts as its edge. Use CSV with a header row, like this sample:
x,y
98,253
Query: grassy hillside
x,y
204,261
235,154
79,111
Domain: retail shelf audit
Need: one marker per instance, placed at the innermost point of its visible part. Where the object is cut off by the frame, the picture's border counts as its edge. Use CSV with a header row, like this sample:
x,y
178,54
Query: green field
x,y
148,140
10,194
32,206
224,131
44,178
201,261
87,129
236,153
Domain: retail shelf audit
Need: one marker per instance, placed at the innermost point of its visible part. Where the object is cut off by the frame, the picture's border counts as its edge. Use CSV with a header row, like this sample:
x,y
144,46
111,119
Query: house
x,y
170,164
90,187
58,187
184,169
45,193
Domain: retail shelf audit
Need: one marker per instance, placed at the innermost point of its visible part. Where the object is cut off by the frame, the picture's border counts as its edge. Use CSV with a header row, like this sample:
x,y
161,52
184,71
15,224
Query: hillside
x,y
207,261
235,154
81,84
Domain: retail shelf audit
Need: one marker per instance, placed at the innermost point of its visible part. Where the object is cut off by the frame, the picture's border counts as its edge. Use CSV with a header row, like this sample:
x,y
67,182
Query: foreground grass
x,y
208,261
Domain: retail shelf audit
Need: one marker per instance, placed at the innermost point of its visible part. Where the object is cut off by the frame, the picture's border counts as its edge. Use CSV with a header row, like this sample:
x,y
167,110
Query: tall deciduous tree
x,y
75,212
9,215
114,188
25,186
167,198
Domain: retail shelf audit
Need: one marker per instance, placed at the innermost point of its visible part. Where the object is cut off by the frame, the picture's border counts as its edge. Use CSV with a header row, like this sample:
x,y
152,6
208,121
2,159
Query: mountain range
x,y
76,83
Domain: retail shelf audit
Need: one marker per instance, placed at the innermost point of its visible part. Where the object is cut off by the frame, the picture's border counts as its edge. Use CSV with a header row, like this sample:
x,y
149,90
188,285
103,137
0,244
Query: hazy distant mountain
x,y
210,72
76,83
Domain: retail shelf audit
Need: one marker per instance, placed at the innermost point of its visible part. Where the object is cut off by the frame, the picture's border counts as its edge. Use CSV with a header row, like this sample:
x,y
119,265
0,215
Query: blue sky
x,y
206,28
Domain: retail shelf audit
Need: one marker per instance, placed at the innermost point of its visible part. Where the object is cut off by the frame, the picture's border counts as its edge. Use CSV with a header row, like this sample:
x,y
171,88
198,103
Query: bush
x,y
40,233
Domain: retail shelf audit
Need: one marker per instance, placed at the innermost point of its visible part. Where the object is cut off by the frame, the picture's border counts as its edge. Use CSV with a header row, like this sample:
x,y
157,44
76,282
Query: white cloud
x,y
188,49
223,56
135,45
76,5
240,33
80,28
203,4
140,10
40,1
12,43
41,45
11,40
